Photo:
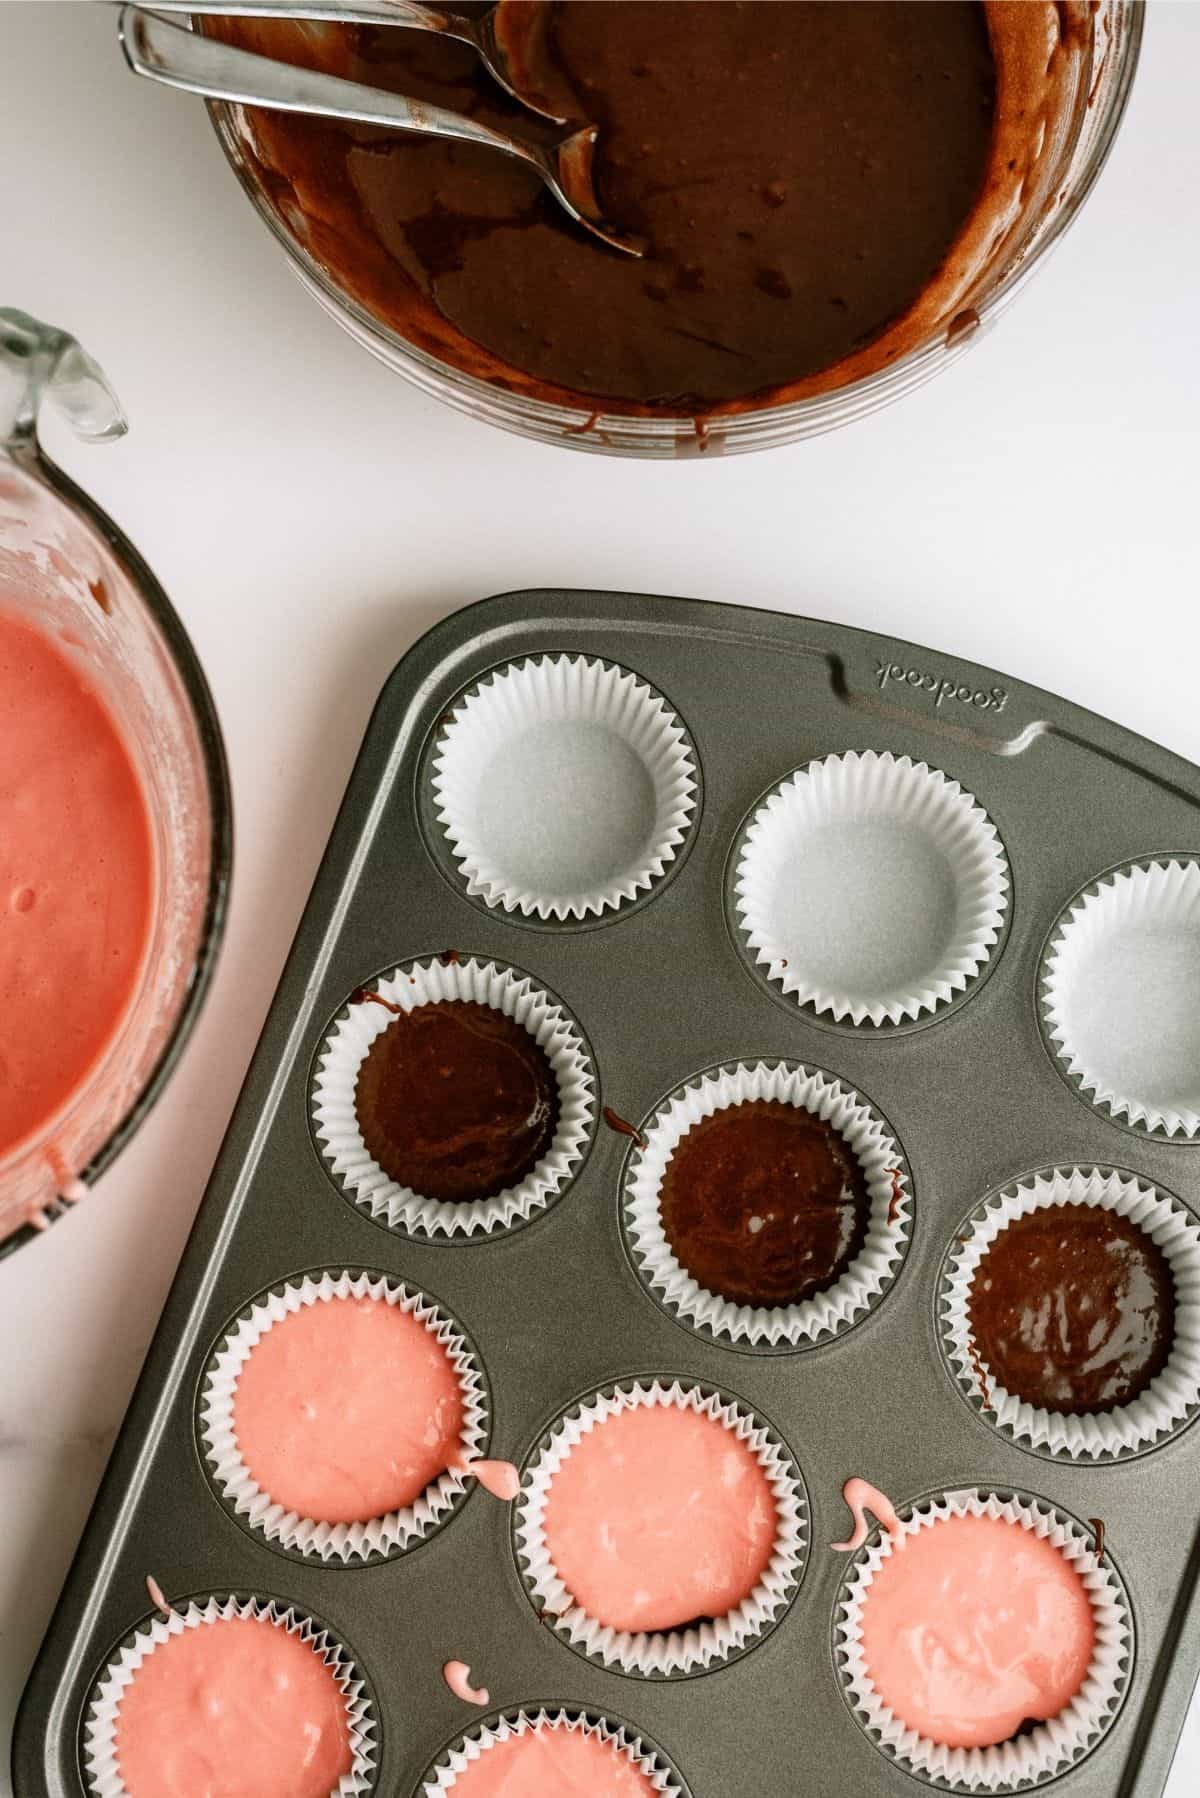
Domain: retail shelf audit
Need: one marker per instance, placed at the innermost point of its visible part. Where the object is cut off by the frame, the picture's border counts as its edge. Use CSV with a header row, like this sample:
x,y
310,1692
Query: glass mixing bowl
x,y
1105,45
67,565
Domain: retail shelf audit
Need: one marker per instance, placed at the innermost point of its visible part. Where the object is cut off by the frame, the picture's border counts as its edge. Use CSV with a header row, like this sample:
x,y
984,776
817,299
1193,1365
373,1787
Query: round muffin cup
x,y
662,1654
917,842
99,1734
1172,1398
335,1119
865,1280
1050,1748
549,786
646,1756
389,1534
1120,995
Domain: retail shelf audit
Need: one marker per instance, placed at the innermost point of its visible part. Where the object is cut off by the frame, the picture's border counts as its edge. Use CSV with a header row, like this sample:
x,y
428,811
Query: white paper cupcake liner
x,y
871,887
427,983
1172,1398
1120,995
864,1281
662,1653
99,1735
1051,1747
396,1530
564,786
649,1759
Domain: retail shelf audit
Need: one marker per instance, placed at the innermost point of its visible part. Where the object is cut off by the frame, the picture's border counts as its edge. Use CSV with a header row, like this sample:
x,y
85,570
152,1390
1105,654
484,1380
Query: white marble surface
x,y
1035,510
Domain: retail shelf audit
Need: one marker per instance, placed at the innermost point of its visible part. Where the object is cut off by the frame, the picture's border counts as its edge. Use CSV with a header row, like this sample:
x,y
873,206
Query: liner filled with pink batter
x,y
707,1517
111,1743
571,1754
370,1422
1055,1719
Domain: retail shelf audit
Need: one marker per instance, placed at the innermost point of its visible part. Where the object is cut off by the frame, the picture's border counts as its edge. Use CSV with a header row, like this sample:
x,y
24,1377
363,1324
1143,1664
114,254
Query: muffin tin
x,y
663,989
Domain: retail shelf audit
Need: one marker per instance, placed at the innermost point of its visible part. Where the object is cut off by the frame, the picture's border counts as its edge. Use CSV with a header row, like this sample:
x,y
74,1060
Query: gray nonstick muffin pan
x,y
945,1027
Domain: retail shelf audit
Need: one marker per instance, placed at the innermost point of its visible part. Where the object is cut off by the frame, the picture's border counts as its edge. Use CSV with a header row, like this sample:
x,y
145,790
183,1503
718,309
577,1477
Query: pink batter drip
x,y
977,1627
553,1761
238,1708
861,1497
348,1409
156,1595
660,1516
76,878
457,1676
70,1189
500,1478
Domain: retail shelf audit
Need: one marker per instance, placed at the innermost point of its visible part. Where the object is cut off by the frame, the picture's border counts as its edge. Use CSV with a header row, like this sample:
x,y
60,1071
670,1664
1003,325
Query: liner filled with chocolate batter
x,y
408,1046
832,197
767,1205
1069,1314
452,1098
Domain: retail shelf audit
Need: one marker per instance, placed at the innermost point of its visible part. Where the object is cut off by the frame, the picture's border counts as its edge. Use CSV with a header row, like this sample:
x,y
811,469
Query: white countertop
x,y
1034,510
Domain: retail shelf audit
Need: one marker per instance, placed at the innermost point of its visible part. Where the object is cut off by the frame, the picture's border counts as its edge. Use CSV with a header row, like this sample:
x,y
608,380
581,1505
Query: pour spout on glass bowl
x,y
39,362
202,65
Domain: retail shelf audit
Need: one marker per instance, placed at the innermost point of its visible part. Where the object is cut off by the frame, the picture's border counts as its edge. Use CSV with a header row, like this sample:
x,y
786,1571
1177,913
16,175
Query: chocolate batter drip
x,y
456,1101
799,172
1073,1309
764,1203
622,1126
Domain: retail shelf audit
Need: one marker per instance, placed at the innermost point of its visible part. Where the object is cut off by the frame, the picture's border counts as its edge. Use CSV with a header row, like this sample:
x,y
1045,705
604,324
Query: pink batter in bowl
x,y
135,744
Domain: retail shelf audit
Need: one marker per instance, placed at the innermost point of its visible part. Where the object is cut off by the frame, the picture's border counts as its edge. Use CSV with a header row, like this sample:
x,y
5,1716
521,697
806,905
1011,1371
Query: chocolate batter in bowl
x,y
833,198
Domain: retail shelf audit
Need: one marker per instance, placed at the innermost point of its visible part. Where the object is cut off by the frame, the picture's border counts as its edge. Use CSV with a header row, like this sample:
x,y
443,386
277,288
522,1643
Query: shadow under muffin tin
x,y
746,800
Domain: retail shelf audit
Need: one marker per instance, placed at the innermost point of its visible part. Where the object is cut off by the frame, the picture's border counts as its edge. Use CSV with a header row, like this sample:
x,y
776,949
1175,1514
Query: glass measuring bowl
x,y
68,568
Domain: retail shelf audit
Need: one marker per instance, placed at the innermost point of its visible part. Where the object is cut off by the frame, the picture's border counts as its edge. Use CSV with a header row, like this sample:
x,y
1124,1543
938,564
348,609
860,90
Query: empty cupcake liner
x,y
1051,1747
100,1728
396,1530
341,1055
871,887
662,1653
863,1283
649,1760
556,824
1172,1398
1120,995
